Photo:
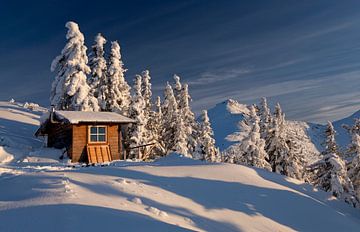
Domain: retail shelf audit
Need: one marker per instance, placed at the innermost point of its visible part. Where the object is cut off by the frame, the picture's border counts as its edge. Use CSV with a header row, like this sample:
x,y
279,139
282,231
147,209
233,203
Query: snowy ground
x,y
41,193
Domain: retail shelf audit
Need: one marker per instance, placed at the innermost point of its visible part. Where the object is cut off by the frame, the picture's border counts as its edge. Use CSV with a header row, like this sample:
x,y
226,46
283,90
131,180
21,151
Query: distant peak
x,y
234,107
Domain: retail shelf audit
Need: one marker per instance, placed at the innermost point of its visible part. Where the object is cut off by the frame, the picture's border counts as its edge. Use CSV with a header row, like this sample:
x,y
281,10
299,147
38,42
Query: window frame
x,y
97,134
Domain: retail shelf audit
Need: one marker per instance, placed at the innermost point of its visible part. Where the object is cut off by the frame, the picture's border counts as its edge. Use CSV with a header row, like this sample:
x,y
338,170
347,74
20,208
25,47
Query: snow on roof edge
x,y
75,117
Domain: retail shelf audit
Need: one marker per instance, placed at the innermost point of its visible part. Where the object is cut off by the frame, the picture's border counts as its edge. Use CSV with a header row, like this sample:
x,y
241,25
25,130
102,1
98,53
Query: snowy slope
x,y
342,136
40,193
224,118
18,123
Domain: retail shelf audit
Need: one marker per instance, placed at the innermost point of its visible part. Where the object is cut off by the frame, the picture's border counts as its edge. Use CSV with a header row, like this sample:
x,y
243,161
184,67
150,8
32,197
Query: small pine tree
x,y
354,165
137,131
180,143
177,88
156,127
118,93
265,118
330,172
70,90
253,146
188,117
146,91
98,66
170,114
277,149
208,150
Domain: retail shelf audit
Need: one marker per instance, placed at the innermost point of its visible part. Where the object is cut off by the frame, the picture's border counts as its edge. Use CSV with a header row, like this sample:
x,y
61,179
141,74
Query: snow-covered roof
x,y
75,117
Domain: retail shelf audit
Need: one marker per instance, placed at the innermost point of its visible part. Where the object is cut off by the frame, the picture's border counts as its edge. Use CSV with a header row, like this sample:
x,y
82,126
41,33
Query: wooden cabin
x,y
90,137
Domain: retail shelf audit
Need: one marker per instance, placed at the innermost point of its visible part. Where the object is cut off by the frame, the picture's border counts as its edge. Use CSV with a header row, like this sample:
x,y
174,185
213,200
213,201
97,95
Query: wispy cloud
x,y
213,77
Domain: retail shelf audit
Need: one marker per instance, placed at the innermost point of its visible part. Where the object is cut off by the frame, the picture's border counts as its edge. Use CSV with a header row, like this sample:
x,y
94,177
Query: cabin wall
x,y
114,142
59,136
79,134
80,141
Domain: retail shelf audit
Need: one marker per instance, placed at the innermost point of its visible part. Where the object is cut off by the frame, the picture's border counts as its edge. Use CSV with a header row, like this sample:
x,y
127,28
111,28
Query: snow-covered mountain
x,y
226,115
342,137
41,193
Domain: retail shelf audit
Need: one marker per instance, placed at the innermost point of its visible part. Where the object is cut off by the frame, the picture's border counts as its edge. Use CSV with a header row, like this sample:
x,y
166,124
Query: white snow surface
x,y
74,117
41,193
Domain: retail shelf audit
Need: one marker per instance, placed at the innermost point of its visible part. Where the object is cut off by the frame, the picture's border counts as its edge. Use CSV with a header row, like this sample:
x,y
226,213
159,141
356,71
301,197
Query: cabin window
x,y
97,134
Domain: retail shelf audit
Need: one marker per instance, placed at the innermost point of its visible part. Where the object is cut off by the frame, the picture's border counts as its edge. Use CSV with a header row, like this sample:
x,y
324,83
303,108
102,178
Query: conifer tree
x,y
170,115
180,144
354,165
146,91
265,118
118,93
137,131
70,90
208,150
98,66
330,171
253,146
177,88
188,117
277,149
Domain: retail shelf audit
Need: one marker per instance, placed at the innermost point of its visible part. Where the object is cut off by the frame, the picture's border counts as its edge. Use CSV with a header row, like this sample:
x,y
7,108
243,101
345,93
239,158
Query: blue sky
x,y
304,54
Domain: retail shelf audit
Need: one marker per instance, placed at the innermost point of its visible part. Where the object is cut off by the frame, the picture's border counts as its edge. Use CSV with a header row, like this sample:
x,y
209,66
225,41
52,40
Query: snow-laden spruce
x,y
330,172
137,132
277,148
188,117
265,118
170,115
117,97
70,90
177,87
149,113
206,141
284,149
146,91
354,165
97,79
155,125
253,146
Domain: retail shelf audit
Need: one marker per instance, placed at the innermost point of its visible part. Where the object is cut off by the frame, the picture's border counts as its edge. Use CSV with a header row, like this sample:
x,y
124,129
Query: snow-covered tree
x,y
70,90
146,91
277,149
354,165
98,67
117,97
137,131
330,172
177,88
156,127
170,115
206,141
181,139
149,113
265,118
188,117
253,146
285,150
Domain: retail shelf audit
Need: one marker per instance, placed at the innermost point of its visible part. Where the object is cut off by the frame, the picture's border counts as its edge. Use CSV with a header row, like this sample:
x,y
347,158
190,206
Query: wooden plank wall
x,y
59,136
79,134
80,141
113,140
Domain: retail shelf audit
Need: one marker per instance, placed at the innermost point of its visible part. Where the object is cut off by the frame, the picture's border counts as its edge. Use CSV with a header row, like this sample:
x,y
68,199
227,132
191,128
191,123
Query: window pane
x,y
101,138
93,138
101,130
93,130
